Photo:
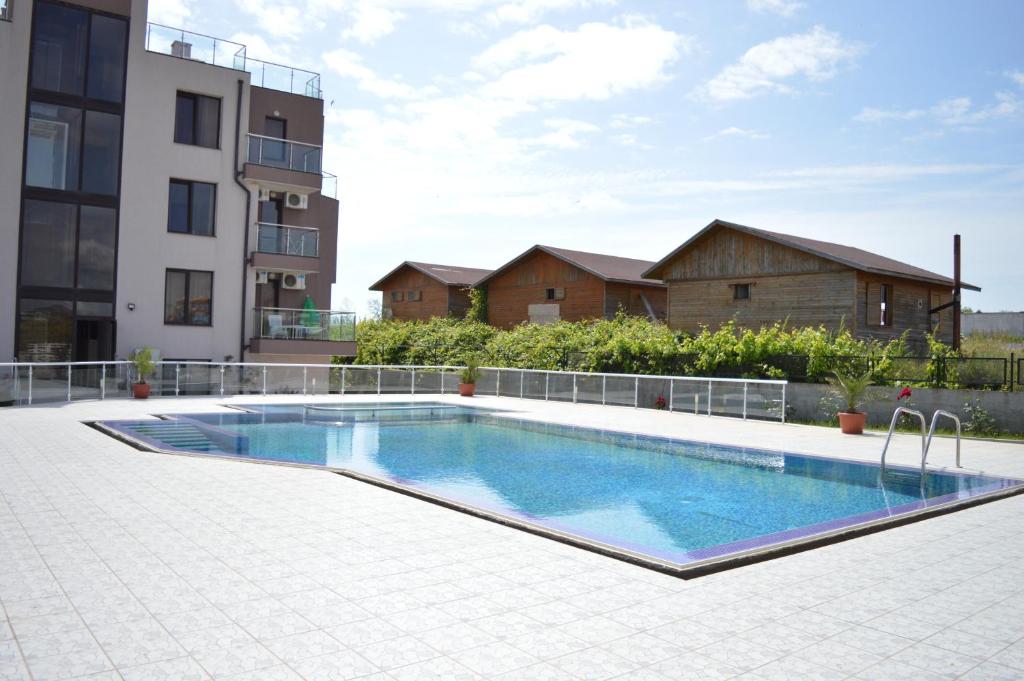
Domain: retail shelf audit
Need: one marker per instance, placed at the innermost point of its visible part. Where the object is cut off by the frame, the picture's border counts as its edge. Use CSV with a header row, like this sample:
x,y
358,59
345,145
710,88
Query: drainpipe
x,y
248,203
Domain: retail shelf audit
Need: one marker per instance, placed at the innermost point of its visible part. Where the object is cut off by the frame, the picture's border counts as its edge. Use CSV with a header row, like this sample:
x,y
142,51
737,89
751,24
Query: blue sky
x,y
465,131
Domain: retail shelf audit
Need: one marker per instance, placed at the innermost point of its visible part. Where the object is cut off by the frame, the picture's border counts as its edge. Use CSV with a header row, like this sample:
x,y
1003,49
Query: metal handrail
x,y
280,139
931,432
300,241
892,427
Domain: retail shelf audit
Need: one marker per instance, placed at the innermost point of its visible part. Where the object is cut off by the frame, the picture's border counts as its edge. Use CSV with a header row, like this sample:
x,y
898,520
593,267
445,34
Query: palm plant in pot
x,y
142,362
468,377
851,389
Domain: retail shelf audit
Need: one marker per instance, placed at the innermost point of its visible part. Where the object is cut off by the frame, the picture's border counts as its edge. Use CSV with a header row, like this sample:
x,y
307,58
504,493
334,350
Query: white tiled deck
x,y
118,564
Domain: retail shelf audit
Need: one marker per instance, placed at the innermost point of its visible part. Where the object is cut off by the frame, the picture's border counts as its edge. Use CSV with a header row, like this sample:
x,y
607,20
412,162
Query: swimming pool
x,y
672,504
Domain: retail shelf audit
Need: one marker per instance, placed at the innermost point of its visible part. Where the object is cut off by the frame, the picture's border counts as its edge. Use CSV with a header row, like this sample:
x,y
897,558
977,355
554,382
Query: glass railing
x,y
279,153
329,185
298,324
184,44
287,240
5,9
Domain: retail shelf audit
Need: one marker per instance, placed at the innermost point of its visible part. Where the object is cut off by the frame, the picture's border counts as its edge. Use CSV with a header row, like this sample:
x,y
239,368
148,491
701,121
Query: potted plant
x,y
468,377
851,390
142,361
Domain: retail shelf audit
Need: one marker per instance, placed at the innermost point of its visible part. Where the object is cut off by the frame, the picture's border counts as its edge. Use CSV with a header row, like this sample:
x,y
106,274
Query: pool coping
x,y
702,566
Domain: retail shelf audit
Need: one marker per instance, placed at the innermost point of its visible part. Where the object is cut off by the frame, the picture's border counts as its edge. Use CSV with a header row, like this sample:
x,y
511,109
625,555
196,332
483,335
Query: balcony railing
x,y
287,240
183,44
279,153
329,185
297,324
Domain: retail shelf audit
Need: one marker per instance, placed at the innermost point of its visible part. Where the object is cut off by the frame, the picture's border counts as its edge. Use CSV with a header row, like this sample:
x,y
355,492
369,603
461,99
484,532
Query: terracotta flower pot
x,y
467,389
140,390
852,423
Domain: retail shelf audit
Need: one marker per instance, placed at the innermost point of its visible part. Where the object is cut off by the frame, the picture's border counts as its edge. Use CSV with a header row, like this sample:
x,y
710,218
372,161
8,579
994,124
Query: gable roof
x,y
855,258
449,275
610,268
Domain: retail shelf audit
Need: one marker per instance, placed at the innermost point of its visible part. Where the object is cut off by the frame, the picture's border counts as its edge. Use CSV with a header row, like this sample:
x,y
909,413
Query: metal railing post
x,y
69,382
304,375
177,374
604,389
744,401
30,384
522,382
574,388
264,379
547,377
636,393
783,402
103,381
413,386
497,390
378,380
696,404
222,380
343,379
442,380
671,392
709,398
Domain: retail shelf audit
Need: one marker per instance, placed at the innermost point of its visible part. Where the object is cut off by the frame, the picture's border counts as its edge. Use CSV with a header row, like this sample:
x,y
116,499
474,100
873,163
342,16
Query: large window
x,y
191,207
96,236
48,244
58,49
106,59
101,153
53,143
197,120
188,297
45,330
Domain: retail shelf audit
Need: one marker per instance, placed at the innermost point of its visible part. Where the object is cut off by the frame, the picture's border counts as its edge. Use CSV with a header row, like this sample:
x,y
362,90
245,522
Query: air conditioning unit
x,y
264,195
297,201
262,278
294,282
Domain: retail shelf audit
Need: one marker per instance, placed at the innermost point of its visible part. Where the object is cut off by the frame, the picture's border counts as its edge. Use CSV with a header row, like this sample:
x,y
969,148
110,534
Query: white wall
x,y
146,248
1011,323
14,47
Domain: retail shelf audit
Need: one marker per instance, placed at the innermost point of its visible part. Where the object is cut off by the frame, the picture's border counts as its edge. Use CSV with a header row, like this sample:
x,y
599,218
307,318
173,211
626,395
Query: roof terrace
x,y
183,44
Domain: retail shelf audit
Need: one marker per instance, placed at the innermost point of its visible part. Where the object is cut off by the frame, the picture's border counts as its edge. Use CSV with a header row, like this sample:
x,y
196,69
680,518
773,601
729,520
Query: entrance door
x,y
94,340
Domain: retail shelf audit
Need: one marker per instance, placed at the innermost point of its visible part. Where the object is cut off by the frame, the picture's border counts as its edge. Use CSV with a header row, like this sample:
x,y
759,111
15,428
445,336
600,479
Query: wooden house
x,y
547,284
419,290
756,277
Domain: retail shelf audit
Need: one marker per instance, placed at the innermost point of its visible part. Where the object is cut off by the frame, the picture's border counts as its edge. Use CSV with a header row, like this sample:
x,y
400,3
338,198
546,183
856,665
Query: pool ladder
x,y
926,440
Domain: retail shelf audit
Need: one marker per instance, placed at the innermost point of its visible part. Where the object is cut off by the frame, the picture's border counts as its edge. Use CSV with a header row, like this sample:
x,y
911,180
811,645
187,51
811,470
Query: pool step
x,y
177,435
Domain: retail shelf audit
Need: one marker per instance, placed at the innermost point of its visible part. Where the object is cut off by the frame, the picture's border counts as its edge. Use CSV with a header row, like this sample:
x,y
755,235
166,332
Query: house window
x,y
413,296
885,305
396,296
197,120
191,207
188,297
741,291
555,294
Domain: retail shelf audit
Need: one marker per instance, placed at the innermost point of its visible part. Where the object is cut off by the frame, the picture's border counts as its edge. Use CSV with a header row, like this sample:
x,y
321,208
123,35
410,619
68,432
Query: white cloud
x,y
277,17
350,65
565,133
956,112
629,121
171,13
764,68
1016,76
733,131
531,11
785,8
371,22
594,62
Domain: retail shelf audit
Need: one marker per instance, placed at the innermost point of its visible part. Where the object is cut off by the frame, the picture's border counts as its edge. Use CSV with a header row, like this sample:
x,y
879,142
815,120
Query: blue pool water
x,y
673,500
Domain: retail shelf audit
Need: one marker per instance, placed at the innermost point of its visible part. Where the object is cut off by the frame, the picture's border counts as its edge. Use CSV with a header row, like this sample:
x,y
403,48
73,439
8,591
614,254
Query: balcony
x,y
283,165
290,331
284,248
183,44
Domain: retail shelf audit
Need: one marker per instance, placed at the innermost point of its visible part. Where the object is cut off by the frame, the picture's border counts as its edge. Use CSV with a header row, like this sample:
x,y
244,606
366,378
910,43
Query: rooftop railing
x,y
283,323
288,240
184,44
279,153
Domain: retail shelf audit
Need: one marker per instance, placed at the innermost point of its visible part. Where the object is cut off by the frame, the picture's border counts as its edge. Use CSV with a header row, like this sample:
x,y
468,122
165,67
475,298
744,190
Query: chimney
x,y
179,48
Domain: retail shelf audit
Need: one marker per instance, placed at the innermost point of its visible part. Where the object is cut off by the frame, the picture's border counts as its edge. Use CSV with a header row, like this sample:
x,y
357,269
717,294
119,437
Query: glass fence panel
x,y
49,384
284,380
395,381
560,387
533,384
10,386
318,380
85,382
487,383
428,381
653,392
764,401
686,396
239,380
589,389
620,390
360,381
511,383
727,399
451,381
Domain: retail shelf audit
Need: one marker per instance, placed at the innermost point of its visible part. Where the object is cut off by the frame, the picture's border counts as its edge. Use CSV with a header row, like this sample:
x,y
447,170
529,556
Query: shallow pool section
x,y
664,501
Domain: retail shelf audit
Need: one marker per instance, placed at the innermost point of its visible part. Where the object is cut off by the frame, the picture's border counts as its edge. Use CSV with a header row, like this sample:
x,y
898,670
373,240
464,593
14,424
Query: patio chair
x,y
276,324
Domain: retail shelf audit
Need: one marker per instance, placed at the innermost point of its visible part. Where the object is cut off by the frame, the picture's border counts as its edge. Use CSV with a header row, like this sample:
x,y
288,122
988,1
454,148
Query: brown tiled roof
x,y
606,267
855,258
449,275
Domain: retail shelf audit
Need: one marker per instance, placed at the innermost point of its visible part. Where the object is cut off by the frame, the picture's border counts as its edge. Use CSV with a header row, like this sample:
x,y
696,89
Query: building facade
x,y
419,290
547,284
729,272
169,193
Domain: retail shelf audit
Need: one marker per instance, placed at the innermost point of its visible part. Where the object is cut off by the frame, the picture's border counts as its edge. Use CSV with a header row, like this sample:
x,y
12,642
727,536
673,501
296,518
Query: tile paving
x,y
120,564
